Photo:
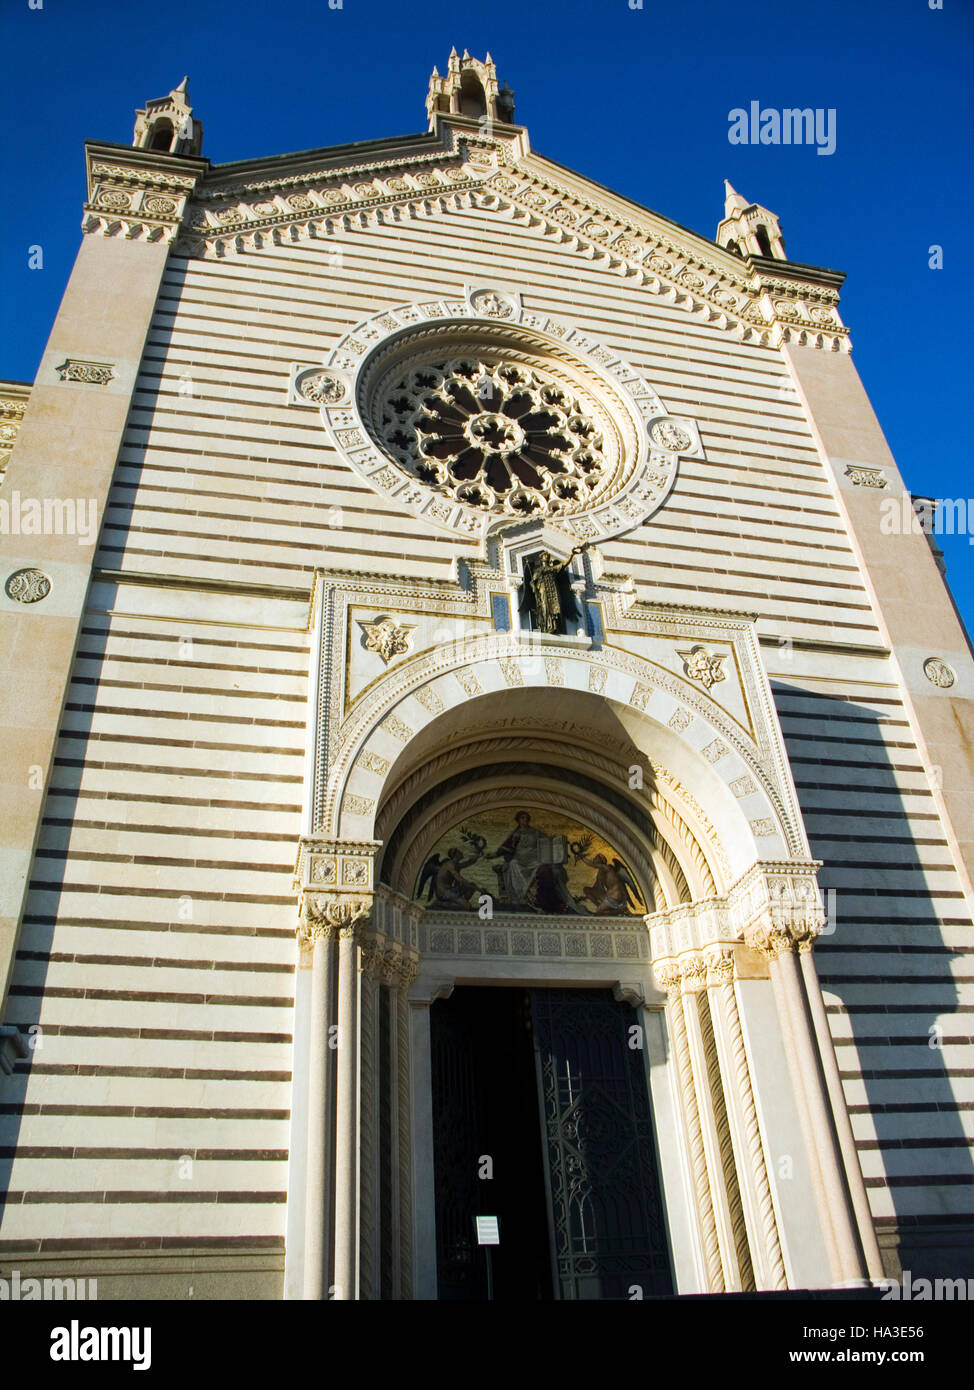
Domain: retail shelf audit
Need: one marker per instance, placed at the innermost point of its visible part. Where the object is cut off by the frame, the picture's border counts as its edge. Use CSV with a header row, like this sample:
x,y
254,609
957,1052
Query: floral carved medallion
x,y
477,414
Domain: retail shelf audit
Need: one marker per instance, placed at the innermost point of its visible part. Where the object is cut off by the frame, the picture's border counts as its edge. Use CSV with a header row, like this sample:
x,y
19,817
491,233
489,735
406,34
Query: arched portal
x,y
558,821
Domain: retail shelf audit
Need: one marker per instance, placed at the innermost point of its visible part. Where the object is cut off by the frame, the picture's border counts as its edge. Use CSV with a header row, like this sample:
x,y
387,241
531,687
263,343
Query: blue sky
x,y
637,99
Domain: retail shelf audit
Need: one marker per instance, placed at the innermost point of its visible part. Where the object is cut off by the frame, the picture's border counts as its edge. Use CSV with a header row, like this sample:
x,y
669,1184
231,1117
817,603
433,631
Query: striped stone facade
x,y
145,1132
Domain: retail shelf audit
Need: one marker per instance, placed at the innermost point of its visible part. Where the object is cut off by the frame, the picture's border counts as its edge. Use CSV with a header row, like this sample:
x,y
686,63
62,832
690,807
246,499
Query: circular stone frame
x,y
494,320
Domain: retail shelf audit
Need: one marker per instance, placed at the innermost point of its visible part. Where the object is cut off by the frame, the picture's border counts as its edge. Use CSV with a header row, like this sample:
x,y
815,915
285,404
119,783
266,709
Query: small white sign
x,y
487,1232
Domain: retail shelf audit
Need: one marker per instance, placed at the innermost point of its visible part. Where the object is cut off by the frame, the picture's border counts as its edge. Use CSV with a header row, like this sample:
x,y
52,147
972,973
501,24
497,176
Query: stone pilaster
x,y
64,456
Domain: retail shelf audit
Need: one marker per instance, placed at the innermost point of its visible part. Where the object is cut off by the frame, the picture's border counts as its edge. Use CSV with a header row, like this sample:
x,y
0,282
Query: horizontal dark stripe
x,y
211,802
155,712
149,997
207,745
822,838
873,766
890,865
230,774
887,813
861,789
154,962
159,1073
892,948
224,693
14,1198
961,1142
154,1155
191,832
76,1030
880,1008
116,629
908,1073
82,856
909,1040
143,1112
199,928
128,891
806,735
932,1220
104,1245
924,1180
928,893
182,663
912,1107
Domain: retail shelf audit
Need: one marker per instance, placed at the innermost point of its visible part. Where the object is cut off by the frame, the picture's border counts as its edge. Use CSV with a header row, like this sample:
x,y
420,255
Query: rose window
x,y
495,434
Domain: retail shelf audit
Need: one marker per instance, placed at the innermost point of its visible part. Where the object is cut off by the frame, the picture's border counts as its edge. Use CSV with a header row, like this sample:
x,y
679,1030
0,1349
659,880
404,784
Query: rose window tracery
x,y
497,434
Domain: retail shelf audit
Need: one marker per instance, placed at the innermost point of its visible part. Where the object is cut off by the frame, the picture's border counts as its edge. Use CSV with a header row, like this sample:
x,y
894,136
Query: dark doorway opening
x,y
541,1118
485,1116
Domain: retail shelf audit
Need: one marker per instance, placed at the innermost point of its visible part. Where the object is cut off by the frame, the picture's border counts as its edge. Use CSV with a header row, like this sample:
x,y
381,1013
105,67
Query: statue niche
x,y
547,596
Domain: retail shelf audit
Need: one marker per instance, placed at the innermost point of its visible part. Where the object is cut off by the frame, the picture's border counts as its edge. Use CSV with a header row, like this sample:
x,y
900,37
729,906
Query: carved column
x,y
402,1127
781,937
847,1142
335,882
752,1167
669,979
346,1110
371,1003
705,1068
316,937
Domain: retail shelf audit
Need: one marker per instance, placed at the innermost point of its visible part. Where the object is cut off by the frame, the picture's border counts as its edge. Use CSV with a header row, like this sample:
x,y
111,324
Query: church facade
x,y
501,751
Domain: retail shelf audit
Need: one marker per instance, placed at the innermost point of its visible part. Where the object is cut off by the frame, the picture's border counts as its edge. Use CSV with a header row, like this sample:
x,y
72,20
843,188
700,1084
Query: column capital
x,y
778,907
668,978
335,881
721,968
390,961
326,916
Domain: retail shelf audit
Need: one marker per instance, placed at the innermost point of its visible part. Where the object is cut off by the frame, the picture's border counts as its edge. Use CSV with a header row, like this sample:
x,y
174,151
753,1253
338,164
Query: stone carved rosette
x,y
477,415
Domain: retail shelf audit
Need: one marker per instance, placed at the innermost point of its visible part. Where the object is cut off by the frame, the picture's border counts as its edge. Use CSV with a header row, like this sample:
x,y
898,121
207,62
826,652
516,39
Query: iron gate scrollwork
x,y
607,1226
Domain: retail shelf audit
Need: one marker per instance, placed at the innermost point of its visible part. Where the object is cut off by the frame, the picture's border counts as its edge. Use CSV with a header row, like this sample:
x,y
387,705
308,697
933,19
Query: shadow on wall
x,y
885,969
50,877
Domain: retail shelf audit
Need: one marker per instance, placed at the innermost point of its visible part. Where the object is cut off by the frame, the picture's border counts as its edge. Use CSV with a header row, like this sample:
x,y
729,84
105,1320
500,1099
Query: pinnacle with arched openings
x,y
748,229
167,124
469,89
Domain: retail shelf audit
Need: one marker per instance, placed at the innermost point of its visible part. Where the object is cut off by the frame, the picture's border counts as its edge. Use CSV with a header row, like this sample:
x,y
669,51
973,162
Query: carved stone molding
x,y
13,405
328,915
861,476
774,907
139,195
387,638
335,881
938,672
92,373
495,174
703,666
28,586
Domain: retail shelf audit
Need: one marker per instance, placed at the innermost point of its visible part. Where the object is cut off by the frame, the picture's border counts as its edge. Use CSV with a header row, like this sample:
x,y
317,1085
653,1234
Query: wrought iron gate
x,y
608,1233
600,1183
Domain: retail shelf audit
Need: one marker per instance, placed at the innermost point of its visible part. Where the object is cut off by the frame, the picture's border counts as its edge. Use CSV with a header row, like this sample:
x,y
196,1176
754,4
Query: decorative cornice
x,y
14,397
488,173
139,194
